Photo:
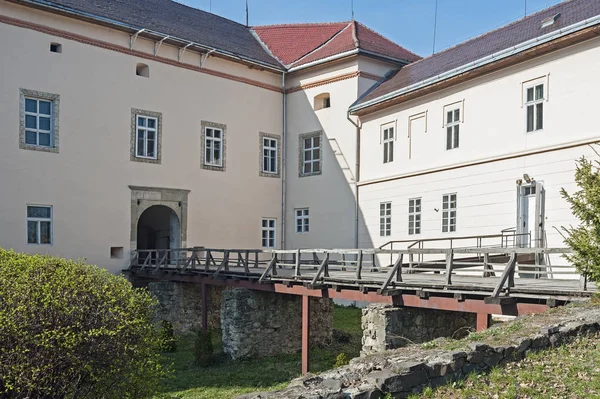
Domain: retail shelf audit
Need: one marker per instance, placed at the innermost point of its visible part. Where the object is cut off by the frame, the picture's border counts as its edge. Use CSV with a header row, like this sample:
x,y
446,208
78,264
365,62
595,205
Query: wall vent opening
x,y
55,48
116,252
142,70
321,101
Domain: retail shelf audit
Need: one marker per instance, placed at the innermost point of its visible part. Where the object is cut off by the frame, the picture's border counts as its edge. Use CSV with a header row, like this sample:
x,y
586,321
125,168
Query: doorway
x,y
530,214
158,228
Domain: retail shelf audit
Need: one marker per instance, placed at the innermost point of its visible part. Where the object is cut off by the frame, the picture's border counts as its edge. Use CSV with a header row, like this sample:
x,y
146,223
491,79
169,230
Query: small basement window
x,y
323,100
116,252
55,48
142,70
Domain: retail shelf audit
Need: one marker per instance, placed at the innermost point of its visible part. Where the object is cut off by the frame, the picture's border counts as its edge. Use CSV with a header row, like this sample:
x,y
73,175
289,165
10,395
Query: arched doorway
x,y
158,228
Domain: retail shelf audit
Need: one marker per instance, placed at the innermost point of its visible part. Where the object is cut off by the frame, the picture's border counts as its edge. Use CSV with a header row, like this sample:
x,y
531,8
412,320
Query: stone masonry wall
x,y
259,324
388,327
181,304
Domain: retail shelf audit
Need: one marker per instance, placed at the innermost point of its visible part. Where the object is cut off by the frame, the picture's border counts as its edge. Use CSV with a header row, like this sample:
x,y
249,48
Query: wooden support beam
x,y
508,271
204,307
484,320
396,271
297,266
305,333
359,261
207,260
449,259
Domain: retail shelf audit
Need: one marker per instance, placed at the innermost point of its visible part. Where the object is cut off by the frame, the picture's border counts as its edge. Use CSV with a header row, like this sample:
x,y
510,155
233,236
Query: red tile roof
x,y
299,44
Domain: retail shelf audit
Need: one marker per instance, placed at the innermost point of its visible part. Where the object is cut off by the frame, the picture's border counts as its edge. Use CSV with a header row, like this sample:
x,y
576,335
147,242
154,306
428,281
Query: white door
x,y
526,222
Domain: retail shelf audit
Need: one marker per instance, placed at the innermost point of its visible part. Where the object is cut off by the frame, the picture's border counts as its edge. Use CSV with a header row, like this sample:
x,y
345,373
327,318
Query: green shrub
x,y
341,360
584,239
70,330
167,337
203,349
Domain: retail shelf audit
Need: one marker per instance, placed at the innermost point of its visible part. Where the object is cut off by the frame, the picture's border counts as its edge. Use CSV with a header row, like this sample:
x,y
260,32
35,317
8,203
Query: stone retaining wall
x,y
181,304
410,370
259,324
387,327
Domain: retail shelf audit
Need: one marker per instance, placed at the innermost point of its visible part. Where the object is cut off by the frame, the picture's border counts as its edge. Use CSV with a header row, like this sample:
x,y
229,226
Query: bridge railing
x,y
499,266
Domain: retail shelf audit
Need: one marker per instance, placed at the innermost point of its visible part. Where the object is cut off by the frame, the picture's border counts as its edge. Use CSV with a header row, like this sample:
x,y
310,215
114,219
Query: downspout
x,y
356,176
283,160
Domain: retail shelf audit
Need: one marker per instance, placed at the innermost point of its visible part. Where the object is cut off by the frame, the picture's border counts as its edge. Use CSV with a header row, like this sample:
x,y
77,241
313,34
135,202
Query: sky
x,y
409,23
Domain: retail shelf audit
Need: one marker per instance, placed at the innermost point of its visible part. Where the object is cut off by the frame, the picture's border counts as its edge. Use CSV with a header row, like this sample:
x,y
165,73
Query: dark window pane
x,y
150,135
456,136
539,92
140,133
385,134
456,115
316,141
30,137
30,105
530,94
307,143
45,233
391,148
44,139
32,232
530,118
38,212
152,123
317,154
44,123
140,147
307,168
141,121
449,138
449,117
45,107
316,167
391,133
30,122
539,120
150,148
307,155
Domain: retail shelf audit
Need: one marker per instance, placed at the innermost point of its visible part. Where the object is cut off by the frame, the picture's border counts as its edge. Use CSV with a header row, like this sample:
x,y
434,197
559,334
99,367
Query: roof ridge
x,y
389,40
492,31
355,35
300,24
325,43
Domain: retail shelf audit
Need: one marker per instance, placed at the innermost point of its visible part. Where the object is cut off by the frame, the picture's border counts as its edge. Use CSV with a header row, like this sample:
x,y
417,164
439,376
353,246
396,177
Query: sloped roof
x,y
175,19
528,28
299,44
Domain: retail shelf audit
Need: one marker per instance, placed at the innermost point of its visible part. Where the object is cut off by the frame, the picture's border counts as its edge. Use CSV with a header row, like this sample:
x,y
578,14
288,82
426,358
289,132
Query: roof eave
x,y
349,53
503,54
56,8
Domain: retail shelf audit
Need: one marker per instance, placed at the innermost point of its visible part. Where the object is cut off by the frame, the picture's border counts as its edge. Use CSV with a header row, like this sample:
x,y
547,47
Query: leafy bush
x,y
70,330
341,360
584,239
203,349
167,337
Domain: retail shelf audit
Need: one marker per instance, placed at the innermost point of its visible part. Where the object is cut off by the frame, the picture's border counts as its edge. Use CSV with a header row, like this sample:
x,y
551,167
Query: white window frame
x,y
302,220
38,221
268,226
270,154
449,221
535,104
209,147
37,115
388,136
146,129
414,216
452,127
385,219
312,149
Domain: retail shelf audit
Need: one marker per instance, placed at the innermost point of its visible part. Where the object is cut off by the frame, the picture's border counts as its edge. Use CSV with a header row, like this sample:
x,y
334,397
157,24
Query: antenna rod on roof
x,y
435,25
352,7
210,6
525,7
246,12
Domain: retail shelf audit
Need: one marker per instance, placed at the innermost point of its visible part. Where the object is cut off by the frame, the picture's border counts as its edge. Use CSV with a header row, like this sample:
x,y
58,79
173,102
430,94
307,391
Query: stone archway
x,y
158,228
176,202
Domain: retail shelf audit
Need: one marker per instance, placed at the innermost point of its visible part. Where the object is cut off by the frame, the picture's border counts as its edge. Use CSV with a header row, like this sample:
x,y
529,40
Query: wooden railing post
x,y
207,260
359,261
297,261
449,261
256,259
247,260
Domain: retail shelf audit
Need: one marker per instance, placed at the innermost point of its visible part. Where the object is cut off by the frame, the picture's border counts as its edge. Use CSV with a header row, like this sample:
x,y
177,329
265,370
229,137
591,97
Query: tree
x,y
584,239
70,330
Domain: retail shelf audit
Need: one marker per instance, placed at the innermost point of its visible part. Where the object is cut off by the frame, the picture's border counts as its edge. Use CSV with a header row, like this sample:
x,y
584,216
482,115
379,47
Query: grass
x,y
226,379
570,371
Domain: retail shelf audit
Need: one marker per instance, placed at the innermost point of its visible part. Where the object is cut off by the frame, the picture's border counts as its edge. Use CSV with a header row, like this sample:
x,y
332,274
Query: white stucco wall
x,y
87,182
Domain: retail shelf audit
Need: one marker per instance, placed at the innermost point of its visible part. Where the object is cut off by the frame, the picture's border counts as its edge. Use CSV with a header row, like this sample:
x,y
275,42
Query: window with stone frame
x,y
269,233
39,126
146,136
213,146
310,156
270,155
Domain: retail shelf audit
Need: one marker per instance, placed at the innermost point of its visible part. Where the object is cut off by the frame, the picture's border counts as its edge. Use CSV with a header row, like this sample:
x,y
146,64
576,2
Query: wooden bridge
x,y
480,279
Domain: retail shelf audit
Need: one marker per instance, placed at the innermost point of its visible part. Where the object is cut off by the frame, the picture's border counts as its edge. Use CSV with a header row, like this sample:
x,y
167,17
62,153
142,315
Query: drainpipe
x,y
283,160
356,176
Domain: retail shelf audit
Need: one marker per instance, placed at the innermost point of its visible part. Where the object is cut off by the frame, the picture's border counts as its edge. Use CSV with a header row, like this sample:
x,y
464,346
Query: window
x,y
385,219
535,107
268,233
321,101
39,224
310,158
269,163
414,216
388,145
146,131
142,70
56,48
213,146
146,142
452,128
38,122
302,221
448,213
